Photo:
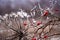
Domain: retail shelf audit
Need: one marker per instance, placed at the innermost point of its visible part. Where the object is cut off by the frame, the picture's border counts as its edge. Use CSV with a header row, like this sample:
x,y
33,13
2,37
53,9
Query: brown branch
x,y
44,26
54,34
15,36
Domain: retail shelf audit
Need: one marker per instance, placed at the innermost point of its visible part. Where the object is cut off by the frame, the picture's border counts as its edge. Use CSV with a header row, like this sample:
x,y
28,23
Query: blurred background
x,y
7,6
13,13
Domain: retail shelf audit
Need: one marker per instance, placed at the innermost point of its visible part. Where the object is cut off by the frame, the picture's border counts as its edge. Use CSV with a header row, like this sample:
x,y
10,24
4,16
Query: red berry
x,y
38,23
45,36
45,13
25,24
33,38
